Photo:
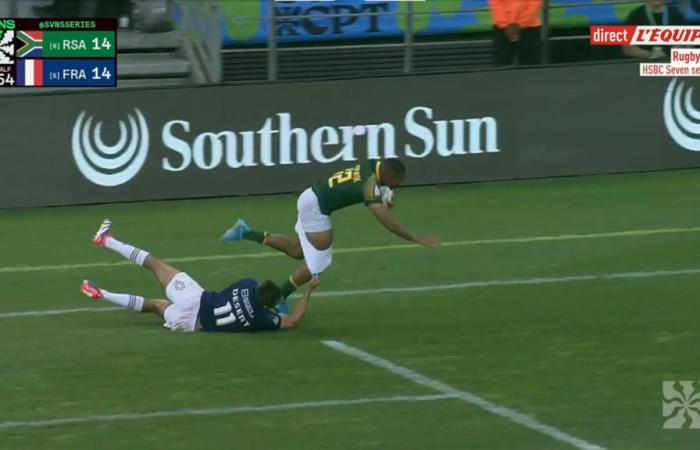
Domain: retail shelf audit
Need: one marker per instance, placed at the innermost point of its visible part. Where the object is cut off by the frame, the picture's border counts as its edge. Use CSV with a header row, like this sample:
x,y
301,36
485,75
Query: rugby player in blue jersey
x,y
244,306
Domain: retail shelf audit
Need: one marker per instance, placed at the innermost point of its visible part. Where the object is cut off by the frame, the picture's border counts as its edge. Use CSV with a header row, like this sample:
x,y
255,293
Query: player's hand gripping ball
x,y
387,196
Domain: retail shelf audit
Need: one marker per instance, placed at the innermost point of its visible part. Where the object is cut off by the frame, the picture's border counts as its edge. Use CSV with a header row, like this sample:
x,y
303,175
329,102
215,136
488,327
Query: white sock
x,y
133,254
128,301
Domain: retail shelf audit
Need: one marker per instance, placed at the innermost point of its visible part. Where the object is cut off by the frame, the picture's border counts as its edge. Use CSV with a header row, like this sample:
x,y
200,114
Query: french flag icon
x,y
30,72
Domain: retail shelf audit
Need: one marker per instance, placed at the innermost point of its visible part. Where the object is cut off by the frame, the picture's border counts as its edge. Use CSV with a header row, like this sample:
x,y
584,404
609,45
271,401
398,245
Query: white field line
x,y
405,290
513,282
218,411
57,312
377,248
499,410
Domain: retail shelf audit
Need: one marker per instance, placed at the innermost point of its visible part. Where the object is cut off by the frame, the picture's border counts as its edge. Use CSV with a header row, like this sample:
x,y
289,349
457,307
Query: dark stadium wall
x,y
94,147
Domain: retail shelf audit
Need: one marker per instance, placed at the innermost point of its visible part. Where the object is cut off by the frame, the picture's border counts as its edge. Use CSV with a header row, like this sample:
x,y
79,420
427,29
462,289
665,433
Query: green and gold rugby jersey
x,y
358,184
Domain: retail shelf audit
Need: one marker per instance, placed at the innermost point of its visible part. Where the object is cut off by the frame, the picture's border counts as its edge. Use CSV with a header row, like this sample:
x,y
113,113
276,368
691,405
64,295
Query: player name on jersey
x,y
58,53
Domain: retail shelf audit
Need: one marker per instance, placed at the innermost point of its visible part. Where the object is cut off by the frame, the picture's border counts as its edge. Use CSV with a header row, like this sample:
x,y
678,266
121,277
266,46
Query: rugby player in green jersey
x,y
368,182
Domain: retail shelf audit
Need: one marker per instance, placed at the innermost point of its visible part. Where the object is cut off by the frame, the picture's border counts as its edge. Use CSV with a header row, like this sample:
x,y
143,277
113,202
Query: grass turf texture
x,y
585,357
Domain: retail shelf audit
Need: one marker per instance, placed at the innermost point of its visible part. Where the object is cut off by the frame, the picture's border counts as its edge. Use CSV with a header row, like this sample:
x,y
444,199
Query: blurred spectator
x,y
654,12
688,8
516,35
85,8
153,16
60,8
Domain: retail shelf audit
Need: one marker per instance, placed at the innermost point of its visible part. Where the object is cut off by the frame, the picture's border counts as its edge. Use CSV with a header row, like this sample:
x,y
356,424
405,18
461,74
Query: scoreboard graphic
x,y
58,52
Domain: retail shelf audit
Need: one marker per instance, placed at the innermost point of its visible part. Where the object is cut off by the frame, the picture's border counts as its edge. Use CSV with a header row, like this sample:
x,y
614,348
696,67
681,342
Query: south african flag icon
x,y
32,44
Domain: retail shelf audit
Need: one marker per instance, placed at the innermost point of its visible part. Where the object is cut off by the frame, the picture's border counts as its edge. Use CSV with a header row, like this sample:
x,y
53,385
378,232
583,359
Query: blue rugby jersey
x,y
235,309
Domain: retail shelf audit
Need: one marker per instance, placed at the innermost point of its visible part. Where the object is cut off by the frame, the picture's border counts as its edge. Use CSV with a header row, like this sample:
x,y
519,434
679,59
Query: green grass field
x,y
549,334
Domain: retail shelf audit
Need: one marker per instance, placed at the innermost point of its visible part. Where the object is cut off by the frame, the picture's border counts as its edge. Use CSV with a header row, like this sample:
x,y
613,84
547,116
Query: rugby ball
x,y
387,195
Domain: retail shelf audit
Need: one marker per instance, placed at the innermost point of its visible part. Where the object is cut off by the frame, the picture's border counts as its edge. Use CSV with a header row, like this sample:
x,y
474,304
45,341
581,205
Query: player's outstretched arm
x,y
289,322
381,212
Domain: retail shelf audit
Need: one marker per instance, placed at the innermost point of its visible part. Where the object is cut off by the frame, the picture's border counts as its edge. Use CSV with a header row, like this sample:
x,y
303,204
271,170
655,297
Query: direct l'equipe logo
x,y
110,165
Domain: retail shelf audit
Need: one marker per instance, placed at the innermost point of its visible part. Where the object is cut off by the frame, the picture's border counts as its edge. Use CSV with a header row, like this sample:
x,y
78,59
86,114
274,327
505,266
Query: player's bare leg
x,y
104,238
162,271
291,284
243,231
128,301
321,240
156,306
290,246
301,276
317,248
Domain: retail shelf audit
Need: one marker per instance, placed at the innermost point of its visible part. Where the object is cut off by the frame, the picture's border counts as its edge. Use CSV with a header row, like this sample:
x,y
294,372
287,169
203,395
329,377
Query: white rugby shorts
x,y
310,219
185,293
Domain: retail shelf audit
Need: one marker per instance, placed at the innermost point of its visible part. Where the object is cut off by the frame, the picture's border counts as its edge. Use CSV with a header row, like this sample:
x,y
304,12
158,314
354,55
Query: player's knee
x,y
297,252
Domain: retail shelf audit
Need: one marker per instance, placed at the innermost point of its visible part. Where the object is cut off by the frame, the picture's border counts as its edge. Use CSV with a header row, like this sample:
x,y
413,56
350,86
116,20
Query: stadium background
x,y
567,300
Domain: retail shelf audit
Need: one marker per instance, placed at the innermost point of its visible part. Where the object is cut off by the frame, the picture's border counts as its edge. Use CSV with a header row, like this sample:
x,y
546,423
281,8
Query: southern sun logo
x,y
680,116
110,165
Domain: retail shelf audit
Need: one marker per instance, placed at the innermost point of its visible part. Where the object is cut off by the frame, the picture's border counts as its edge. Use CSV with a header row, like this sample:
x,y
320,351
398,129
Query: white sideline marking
x,y
514,282
57,312
468,397
220,411
403,290
340,251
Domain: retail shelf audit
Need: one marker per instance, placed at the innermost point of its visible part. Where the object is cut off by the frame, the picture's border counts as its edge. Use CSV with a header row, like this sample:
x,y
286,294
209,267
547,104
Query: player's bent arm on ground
x,y
381,212
292,321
